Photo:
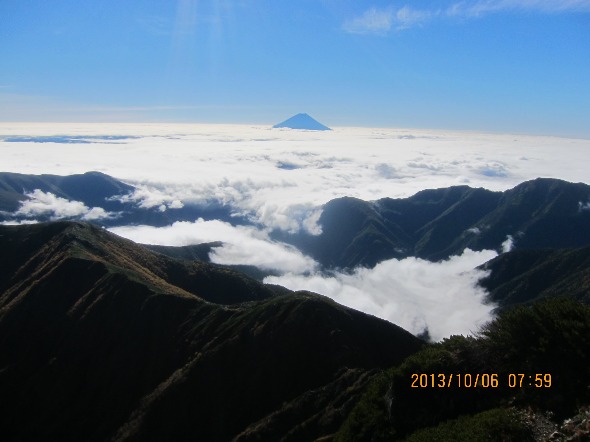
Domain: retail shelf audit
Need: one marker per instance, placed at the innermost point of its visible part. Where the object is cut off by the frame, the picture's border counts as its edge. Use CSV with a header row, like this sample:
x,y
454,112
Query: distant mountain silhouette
x,y
432,224
302,121
435,224
102,339
92,188
95,189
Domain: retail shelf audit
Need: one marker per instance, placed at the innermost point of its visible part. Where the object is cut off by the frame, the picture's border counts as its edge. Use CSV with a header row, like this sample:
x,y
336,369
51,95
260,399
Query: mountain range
x,y
105,339
436,224
98,190
432,224
102,339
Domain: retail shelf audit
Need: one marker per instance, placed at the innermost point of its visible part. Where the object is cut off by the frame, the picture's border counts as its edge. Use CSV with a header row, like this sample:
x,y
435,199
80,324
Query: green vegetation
x,y
499,424
549,337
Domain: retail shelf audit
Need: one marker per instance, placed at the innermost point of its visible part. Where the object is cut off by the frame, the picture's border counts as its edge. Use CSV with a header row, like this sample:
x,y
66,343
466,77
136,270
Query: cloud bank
x,y
243,167
441,298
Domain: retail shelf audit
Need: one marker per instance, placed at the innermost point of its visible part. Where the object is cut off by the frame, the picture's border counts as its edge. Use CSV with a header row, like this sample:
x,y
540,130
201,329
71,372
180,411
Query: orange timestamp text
x,y
480,380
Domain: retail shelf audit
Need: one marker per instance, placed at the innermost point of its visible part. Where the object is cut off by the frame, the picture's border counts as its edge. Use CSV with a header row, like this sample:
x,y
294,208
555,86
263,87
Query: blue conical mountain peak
x,y
302,121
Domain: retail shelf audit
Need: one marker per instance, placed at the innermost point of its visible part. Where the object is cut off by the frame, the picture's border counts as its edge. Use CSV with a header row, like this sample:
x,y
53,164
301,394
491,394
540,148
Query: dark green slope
x,y
436,224
526,275
546,342
29,250
543,213
451,213
353,231
102,339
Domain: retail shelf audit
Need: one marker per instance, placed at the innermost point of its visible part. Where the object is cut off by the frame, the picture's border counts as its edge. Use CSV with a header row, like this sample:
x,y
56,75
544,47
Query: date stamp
x,y
480,380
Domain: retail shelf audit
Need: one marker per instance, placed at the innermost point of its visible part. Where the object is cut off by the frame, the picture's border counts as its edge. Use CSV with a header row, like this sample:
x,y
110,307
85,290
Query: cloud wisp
x,y
483,7
382,21
372,21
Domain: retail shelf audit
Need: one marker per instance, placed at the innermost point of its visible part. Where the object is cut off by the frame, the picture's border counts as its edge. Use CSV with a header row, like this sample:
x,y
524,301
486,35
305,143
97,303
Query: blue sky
x,y
494,65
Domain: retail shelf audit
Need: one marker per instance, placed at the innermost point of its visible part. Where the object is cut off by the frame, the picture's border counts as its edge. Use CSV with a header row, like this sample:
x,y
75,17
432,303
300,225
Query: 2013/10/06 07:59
x,y
483,380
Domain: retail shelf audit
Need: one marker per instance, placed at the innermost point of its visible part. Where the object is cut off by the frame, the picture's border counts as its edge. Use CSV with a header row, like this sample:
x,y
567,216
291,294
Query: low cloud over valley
x,y
278,179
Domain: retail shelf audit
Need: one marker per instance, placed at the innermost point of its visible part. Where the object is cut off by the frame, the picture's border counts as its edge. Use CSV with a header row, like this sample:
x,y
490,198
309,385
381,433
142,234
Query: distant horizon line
x,y
270,126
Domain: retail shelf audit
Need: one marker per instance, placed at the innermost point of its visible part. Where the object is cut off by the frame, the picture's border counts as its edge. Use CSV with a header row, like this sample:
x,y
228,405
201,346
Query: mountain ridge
x,y
438,223
433,224
102,339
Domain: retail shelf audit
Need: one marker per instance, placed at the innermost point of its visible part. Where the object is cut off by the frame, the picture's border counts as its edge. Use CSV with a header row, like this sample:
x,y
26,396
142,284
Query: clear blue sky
x,y
494,65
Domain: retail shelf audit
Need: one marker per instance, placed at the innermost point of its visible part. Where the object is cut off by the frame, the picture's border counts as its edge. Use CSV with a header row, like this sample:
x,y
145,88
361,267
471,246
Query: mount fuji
x,y
302,121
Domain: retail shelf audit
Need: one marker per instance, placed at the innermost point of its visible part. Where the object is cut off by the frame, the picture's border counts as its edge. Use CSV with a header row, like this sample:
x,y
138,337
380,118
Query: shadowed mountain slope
x,y
101,339
527,275
435,224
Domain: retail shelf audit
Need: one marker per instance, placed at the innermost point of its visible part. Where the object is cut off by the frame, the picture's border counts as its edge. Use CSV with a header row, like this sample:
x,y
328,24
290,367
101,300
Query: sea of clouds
x,y
279,179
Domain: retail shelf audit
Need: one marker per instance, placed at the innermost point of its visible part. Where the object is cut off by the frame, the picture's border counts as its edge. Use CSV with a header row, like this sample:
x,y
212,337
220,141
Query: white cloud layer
x,y
47,204
244,166
241,244
418,295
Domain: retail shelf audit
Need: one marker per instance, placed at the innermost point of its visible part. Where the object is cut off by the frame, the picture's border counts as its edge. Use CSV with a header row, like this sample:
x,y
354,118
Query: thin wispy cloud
x,y
381,21
372,21
482,7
